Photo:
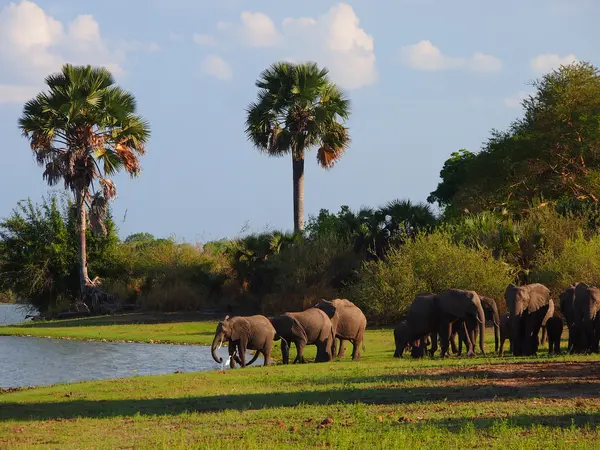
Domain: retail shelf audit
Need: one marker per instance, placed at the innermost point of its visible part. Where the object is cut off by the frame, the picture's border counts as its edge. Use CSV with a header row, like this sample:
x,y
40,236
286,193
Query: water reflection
x,y
28,361
11,314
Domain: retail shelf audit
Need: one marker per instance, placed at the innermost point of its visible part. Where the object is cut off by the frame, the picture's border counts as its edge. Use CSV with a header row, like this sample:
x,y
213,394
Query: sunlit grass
x,y
378,402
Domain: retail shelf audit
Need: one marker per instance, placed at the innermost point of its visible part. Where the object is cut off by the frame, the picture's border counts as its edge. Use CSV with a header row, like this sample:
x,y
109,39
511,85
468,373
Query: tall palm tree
x,y
83,130
298,108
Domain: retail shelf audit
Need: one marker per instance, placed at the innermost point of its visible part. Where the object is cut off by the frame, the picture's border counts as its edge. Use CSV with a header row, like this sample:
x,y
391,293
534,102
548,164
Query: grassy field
x,y
379,402
174,328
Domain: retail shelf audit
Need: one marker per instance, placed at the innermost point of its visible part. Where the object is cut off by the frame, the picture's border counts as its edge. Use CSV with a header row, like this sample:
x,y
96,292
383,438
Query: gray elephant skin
x,y
567,300
309,327
461,305
349,323
489,305
422,319
554,329
244,333
527,306
586,318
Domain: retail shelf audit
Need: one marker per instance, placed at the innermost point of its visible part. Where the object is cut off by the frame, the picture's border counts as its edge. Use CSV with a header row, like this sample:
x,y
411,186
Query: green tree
x,y
84,130
39,251
299,108
552,153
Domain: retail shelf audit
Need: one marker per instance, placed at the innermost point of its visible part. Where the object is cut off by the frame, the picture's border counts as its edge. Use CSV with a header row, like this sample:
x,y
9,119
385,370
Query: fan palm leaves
x,y
83,130
299,108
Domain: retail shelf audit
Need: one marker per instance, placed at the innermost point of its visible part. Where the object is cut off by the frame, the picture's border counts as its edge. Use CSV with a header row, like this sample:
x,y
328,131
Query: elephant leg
x,y
242,350
445,331
267,353
469,339
531,336
342,349
356,349
300,353
285,352
455,350
501,348
434,344
233,357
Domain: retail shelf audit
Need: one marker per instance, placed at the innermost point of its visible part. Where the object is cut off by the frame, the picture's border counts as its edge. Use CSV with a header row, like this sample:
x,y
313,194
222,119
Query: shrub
x,y
578,261
311,269
429,263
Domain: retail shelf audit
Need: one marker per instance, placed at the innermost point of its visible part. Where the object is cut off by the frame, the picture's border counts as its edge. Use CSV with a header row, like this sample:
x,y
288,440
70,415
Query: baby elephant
x,y
244,333
554,329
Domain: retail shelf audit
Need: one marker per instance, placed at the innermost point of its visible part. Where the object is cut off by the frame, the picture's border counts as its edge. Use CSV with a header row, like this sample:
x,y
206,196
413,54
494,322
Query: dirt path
x,y
547,379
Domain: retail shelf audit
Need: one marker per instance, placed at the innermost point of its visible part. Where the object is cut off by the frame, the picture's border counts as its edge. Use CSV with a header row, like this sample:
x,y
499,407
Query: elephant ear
x,y
298,330
327,307
240,328
539,296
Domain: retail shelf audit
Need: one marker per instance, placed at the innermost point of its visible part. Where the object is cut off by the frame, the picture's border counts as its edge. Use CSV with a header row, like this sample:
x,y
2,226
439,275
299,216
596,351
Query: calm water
x,y
28,361
10,314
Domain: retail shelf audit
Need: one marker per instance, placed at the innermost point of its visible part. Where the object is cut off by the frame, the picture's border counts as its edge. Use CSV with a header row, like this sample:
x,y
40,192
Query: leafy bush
x,y
578,261
429,263
308,271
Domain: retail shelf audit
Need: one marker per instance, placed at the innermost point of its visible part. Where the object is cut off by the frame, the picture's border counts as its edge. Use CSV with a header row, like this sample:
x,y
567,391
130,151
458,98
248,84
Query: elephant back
x,y
315,322
261,326
349,321
460,303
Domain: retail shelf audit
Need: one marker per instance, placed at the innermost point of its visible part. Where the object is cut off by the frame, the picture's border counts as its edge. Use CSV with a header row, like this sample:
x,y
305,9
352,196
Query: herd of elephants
x,y
453,312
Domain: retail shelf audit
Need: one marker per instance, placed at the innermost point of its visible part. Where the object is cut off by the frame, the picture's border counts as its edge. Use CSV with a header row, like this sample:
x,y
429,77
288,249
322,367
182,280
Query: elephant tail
x,y
254,358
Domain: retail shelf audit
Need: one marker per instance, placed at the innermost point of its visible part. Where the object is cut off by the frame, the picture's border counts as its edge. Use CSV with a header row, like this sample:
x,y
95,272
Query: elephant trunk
x,y
496,320
218,339
481,330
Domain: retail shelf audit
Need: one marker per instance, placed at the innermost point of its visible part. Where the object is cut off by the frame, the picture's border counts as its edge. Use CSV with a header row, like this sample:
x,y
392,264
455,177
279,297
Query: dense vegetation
x,y
522,209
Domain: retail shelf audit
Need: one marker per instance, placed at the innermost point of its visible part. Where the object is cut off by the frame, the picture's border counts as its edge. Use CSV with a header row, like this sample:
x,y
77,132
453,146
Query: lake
x,y
11,314
29,361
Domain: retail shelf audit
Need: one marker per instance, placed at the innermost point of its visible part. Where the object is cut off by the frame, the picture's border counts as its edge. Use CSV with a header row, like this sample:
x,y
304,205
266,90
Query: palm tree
x,y
298,108
83,130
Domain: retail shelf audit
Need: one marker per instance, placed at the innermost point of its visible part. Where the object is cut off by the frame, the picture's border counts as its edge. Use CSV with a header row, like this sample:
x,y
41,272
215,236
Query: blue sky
x,y
426,77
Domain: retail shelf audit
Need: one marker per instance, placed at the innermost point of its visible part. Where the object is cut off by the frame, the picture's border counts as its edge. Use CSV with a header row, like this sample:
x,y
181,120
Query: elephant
x,y
567,299
250,332
349,323
422,319
504,332
554,329
308,327
489,305
528,307
586,318
456,305
417,347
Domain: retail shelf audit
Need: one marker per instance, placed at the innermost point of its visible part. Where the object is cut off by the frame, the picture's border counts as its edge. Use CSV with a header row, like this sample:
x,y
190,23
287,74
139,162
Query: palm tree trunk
x,y
298,174
82,224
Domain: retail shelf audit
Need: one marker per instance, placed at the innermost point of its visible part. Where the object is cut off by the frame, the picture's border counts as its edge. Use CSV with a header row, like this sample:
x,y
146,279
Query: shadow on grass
x,y
497,370
383,396
125,319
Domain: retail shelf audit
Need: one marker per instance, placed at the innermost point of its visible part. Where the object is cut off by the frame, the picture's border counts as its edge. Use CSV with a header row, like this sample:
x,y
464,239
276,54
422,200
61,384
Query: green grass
x,y
150,328
378,402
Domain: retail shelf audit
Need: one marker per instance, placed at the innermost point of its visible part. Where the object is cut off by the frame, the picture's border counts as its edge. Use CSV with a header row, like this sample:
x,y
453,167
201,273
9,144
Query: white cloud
x,y
334,40
259,30
549,61
10,93
514,101
204,39
34,44
425,56
217,67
